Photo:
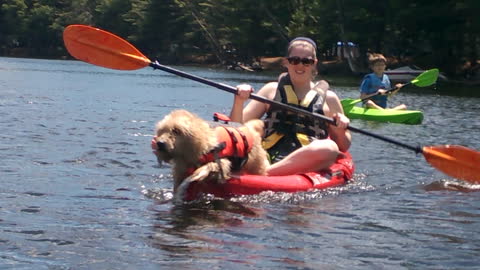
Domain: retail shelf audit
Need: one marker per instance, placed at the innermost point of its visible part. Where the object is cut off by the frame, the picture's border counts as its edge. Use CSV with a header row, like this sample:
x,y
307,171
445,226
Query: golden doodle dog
x,y
200,152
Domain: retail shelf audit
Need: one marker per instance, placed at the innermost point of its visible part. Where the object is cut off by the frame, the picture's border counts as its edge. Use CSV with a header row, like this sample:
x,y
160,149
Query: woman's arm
x,y
339,133
254,109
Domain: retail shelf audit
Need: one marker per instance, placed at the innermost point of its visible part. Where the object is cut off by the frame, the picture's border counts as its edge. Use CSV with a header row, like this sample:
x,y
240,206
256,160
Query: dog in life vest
x,y
198,151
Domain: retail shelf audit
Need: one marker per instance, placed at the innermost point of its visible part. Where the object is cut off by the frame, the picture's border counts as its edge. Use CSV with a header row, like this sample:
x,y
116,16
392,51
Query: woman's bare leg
x,y
318,155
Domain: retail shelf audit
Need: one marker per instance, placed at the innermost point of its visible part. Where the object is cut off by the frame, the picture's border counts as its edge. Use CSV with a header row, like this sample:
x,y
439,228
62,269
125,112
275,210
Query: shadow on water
x,y
449,89
190,229
452,186
205,212
192,221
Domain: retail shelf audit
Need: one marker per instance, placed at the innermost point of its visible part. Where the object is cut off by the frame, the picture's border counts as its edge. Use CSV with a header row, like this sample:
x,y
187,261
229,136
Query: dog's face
x,y
181,136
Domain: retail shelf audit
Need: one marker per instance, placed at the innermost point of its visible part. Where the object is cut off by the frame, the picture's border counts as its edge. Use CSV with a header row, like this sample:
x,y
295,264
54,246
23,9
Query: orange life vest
x,y
233,143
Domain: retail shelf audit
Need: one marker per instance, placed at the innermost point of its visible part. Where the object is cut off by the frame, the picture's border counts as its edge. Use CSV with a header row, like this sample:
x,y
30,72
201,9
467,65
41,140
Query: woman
x,y
297,143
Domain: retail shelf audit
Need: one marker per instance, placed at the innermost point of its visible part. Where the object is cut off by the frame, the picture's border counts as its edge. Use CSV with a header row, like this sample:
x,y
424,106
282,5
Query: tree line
x,y
441,33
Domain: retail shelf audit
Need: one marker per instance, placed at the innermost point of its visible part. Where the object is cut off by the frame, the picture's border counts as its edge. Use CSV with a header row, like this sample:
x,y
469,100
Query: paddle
x,y
102,48
427,78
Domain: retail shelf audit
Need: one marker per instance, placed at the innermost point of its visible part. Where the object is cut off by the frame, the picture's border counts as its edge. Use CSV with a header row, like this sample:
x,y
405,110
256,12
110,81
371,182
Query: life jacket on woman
x,y
287,131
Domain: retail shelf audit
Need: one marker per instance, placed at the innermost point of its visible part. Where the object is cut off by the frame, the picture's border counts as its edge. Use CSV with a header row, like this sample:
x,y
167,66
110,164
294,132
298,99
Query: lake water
x,y
82,190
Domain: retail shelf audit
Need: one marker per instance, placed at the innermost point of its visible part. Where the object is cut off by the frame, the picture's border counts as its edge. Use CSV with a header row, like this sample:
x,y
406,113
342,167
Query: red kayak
x,y
338,174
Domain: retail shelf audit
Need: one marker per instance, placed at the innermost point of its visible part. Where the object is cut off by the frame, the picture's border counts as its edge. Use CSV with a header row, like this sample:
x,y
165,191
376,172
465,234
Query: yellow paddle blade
x,y
102,48
454,160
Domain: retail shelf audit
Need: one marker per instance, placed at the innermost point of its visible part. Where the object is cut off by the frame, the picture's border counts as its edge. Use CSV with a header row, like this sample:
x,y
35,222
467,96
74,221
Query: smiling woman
x,y
295,143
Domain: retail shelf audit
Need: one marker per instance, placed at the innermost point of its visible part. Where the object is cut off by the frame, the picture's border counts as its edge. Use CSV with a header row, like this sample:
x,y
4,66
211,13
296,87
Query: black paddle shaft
x,y
233,90
388,91
274,103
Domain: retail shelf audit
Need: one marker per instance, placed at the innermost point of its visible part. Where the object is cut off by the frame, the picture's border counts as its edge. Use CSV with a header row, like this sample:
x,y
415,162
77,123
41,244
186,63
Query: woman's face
x,y
301,61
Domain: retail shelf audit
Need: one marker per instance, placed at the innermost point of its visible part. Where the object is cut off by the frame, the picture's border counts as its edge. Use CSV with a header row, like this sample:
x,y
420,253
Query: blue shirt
x,y
371,83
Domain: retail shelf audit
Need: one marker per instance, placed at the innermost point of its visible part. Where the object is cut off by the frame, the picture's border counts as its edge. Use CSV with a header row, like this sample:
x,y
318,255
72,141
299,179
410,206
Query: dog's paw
x,y
200,174
180,194
203,173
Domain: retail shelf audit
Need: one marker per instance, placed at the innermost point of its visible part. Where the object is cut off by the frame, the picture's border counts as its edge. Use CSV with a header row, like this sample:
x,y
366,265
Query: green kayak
x,y
388,115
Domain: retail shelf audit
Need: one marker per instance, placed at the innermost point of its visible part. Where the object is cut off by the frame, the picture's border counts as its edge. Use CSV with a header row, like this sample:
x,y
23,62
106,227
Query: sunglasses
x,y
295,60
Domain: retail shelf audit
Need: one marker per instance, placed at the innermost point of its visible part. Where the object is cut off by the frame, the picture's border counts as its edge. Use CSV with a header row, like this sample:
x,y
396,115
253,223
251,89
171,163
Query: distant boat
x,y
408,73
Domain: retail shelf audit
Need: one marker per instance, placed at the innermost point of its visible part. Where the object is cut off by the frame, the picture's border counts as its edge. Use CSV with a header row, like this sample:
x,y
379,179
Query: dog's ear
x,y
179,130
176,131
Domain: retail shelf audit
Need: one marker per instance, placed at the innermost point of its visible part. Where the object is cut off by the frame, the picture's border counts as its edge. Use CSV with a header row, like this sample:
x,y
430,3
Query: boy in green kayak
x,y
377,84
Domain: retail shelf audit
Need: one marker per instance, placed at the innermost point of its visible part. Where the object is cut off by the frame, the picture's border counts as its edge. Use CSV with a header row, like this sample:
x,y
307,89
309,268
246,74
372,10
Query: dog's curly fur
x,y
182,138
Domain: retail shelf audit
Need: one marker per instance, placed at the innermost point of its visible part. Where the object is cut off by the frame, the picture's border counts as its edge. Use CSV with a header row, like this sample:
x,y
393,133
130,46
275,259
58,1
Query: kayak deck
x,y
338,174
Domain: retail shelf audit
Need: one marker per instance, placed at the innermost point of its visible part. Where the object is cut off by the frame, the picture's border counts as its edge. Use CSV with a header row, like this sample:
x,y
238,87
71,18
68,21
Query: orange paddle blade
x,y
456,161
102,48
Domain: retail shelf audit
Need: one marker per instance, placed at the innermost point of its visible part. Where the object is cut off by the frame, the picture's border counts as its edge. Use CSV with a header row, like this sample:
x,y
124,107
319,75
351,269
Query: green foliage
x,y
13,22
39,34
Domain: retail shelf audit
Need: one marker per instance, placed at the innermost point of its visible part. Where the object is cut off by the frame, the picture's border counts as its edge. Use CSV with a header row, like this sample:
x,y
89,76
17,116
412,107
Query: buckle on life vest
x,y
221,117
233,143
214,154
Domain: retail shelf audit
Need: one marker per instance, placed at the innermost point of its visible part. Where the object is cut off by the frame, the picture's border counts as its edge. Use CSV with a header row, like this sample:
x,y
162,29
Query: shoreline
x,y
268,64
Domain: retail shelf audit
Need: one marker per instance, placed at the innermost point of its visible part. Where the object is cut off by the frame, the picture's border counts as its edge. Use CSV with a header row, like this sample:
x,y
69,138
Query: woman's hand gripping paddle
x,y
102,48
427,78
